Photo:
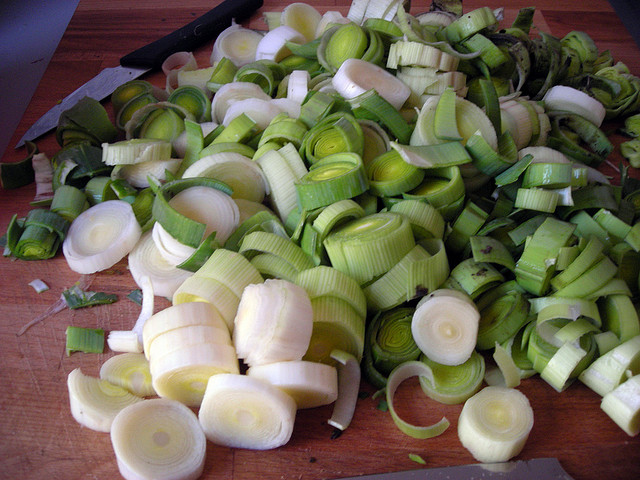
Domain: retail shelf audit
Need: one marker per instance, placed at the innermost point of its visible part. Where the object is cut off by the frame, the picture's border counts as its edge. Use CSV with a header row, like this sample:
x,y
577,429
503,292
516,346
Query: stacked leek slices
x,y
417,195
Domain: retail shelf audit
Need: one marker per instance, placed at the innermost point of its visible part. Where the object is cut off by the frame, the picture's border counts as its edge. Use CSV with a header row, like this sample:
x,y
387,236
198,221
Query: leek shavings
x,y
84,283
76,298
38,285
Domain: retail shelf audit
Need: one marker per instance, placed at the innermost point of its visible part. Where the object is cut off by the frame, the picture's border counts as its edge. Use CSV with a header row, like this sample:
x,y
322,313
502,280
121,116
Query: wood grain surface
x,y
39,440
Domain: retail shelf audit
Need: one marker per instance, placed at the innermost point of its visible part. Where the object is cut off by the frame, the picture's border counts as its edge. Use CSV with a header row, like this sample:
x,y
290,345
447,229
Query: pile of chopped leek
x,y
422,190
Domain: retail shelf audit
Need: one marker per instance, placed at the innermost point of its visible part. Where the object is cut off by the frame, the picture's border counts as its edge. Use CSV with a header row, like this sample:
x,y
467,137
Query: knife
x,y
149,57
536,469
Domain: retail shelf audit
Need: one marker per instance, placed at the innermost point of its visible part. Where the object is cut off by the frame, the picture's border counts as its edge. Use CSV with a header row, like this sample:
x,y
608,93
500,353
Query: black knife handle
x,y
190,36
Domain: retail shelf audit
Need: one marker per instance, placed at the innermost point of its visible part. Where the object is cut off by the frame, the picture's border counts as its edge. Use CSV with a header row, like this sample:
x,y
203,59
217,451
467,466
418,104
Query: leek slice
x,y
445,326
623,407
158,438
611,369
94,402
38,236
348,388
129,371
236,43
396,377
453,384
242,411
311,384
101,236
274,322
495,423
369,246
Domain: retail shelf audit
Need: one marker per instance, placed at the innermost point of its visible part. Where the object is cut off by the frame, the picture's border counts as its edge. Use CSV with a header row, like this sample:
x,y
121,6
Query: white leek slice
x,y
178,316
176,63
242,174
240,411
187,336
180,143
302,17
237,43
129,371
287,105
145,260
273,46
198,288
131,340
298,85
495,423
101,236
569,99
398,375
311,384
233,92
273,323
182,373
95,402
159,439
445,326
136,150
356,76
260,110
348,388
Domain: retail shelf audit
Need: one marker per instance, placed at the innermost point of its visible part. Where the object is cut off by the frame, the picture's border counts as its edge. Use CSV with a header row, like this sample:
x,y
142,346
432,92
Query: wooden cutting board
x,y
40,440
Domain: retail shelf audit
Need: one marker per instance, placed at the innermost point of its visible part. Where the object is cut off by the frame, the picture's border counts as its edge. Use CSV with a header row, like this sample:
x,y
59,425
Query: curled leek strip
x,y
95,402
396,377
273,45
495,423
426,221
501,316
453,384
278,310
445,326
348,388
159,438
101,236
243,411
311,384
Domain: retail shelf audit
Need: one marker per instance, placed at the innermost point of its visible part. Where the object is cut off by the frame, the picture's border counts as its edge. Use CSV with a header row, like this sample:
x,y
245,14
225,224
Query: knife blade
x,y
146,58
535,469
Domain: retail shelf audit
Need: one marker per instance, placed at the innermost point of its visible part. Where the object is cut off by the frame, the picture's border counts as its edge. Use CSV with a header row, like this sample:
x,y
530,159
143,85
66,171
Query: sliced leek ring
x,y
241,411
101,236
130,371
95,402
495,423
160,439
311,384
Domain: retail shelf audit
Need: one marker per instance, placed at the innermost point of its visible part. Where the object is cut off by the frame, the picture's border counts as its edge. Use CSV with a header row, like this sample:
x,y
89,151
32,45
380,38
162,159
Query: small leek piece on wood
x,y
242,411
88,340
38,236
495,423
158,438
348,387
95,402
